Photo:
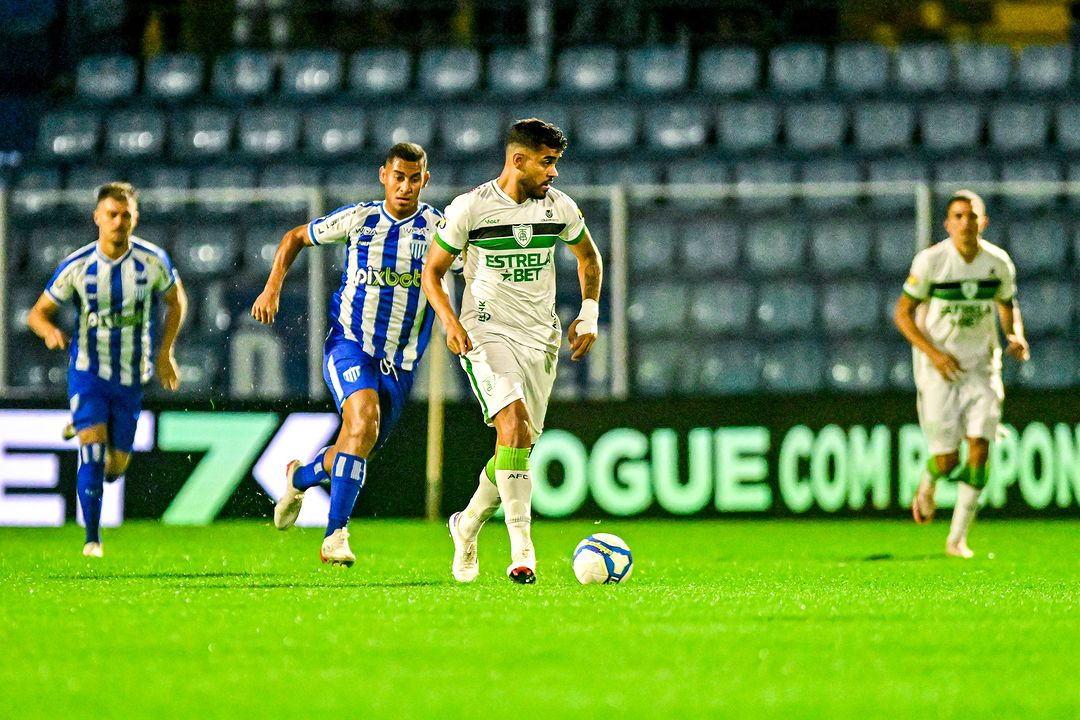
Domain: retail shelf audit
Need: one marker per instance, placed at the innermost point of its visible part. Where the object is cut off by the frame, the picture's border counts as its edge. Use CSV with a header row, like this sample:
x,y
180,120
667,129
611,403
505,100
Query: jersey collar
x,y
502,194
105,258
395,221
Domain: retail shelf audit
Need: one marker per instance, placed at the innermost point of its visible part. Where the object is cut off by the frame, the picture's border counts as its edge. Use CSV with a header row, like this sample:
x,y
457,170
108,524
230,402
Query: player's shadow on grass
x,y
181,580
878,557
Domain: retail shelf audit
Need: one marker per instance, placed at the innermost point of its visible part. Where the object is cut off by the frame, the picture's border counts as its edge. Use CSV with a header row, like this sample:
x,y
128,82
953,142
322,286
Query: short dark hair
x,y
534,134
119,191
407,151
967,196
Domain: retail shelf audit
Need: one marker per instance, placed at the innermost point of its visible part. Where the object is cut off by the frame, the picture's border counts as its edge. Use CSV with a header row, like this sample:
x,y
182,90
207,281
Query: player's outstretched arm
x,y
40,321
265,308
431,280
583,331
175,311
1013,327
904,317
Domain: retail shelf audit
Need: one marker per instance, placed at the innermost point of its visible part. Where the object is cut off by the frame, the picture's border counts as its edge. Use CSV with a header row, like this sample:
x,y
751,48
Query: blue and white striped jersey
x,y
116,302
380,304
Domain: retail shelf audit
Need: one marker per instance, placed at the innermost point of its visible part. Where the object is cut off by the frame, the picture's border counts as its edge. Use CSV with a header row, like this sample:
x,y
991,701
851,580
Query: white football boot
x,y
288,505
959,549
522,569
466,563
93,549
335,549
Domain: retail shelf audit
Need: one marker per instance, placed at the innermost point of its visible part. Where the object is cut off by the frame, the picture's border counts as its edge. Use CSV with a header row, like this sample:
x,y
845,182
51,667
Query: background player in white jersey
x,y
508,335
947,313
114,282
378,332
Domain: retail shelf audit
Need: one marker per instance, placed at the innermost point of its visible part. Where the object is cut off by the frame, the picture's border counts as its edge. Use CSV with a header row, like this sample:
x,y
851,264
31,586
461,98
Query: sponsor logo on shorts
x,y
352,374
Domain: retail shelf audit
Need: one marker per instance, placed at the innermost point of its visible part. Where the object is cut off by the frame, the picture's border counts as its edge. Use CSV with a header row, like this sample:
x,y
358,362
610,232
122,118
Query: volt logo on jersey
x,y
384,277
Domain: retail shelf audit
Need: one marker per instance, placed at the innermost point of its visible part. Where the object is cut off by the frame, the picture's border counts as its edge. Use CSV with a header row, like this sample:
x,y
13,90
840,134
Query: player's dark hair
x,y
407,151
119,191
534,134
967,196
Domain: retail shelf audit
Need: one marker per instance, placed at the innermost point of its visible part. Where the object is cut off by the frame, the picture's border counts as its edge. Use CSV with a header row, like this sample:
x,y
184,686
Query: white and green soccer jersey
x,y
960,300
510,261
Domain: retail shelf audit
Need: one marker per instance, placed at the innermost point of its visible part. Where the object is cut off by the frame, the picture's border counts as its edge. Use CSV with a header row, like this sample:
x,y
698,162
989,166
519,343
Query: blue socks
x,y
345,483
311,474
90,486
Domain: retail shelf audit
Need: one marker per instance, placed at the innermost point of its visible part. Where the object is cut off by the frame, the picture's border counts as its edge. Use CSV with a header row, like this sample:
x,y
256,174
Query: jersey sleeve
x,y
917,285
335,227
1007,289
575,223
167,274
453,233
61,285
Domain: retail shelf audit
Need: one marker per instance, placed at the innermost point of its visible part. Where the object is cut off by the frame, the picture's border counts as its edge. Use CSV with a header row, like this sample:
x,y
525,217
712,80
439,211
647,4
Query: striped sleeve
x,y
335,227
61,285
575,222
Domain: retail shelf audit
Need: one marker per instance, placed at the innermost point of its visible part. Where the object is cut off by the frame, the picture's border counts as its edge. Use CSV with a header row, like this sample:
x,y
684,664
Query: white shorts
x,y
501,371
949,412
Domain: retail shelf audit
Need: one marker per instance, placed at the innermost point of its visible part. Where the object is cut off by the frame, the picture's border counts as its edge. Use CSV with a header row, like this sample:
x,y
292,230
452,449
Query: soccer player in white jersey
x,y
379,329
115,282
508,334
947,313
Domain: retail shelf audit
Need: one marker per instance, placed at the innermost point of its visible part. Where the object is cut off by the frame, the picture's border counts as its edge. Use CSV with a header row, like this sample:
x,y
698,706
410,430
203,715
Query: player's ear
x,y
427,179
984,221
382,174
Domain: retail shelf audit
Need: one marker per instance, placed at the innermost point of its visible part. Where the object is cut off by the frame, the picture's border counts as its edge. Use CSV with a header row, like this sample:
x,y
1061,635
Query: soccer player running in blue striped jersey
x,y
115,282
379,329
947,313
508,335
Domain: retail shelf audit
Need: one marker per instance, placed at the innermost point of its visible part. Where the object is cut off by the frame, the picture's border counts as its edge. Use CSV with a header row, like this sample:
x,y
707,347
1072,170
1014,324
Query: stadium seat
x,y
159,187
173,78
793,366
278,177
815,126
785,307
721,306
1040,243
900,372
728,71
956,173
311,73
751,174
923,68
1047,305
1032,169
472,129
334,132
49,245
653,69
630,172
555,113
379,71
677,128
449,71
1067,122
468,175
797,68
571,172
605,129
896,170
156,231
850,307
517,71
1053,365
242,75
206,250
39,371
343,181
209,181
949,126
202,133
710,245
860,68
33,190
748,125
268,131
830,170
200,365
880,126
653,241
64,136
586,70
1044,68
1019,126
19,301
88,178
775,247
982,68
657,307
655,367
697,172
728,368
105,78
260,243
402,123
840,246
858,366
133,134
894,248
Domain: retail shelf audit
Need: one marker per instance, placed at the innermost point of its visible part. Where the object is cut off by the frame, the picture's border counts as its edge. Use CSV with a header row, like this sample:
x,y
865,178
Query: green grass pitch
x,y
741,619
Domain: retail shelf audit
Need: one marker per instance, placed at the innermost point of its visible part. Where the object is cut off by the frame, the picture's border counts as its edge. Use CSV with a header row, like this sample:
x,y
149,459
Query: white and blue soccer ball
x,y
602,558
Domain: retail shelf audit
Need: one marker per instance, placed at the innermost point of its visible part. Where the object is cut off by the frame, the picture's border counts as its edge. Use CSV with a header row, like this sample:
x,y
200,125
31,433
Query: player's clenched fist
x,y
266,306
56,339
457,340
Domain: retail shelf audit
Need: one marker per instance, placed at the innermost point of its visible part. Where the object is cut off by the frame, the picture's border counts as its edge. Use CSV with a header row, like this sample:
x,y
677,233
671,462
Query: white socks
x,y
515,487
483,504
967,503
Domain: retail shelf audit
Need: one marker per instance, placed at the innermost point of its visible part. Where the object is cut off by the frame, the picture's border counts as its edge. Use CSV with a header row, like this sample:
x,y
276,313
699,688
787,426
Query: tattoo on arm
x,y
591,276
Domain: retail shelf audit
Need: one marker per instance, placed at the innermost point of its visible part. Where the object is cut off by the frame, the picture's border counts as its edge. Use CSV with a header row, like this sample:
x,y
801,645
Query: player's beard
x,y
536,191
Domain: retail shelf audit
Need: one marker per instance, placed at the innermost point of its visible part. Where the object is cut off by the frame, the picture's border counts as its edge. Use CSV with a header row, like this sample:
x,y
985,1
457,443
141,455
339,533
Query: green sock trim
x,y
490,469
977,477
933,469
510,458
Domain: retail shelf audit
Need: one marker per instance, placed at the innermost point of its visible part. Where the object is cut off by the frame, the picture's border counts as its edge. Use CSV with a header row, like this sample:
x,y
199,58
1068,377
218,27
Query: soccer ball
x,y
602,558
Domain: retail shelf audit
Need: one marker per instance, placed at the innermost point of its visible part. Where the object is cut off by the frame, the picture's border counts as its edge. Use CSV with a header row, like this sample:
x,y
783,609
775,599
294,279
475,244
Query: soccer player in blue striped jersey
x,y
379,329
116,282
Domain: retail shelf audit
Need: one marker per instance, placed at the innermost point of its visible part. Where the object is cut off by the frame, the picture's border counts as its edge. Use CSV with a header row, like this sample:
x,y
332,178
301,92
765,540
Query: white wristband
x,y
590,313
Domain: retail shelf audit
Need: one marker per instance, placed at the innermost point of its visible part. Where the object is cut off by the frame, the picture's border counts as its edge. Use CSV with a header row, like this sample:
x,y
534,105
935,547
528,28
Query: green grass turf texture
x,y
797,619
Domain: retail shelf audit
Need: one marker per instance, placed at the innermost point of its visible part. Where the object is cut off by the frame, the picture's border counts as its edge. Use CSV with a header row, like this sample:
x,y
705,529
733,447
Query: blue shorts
x,y
347,369
95,401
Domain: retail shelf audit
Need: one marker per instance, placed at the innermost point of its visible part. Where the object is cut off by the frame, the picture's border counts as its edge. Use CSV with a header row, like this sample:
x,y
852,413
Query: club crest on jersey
x,y
419,244
969,289
522,234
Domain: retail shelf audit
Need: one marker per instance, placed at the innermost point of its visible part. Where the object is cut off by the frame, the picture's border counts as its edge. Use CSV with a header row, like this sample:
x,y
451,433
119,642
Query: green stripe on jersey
x,y
447,248
509,243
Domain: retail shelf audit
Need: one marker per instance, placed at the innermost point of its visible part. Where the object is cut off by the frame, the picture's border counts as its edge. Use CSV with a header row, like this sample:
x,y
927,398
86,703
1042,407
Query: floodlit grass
x,y
749,619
